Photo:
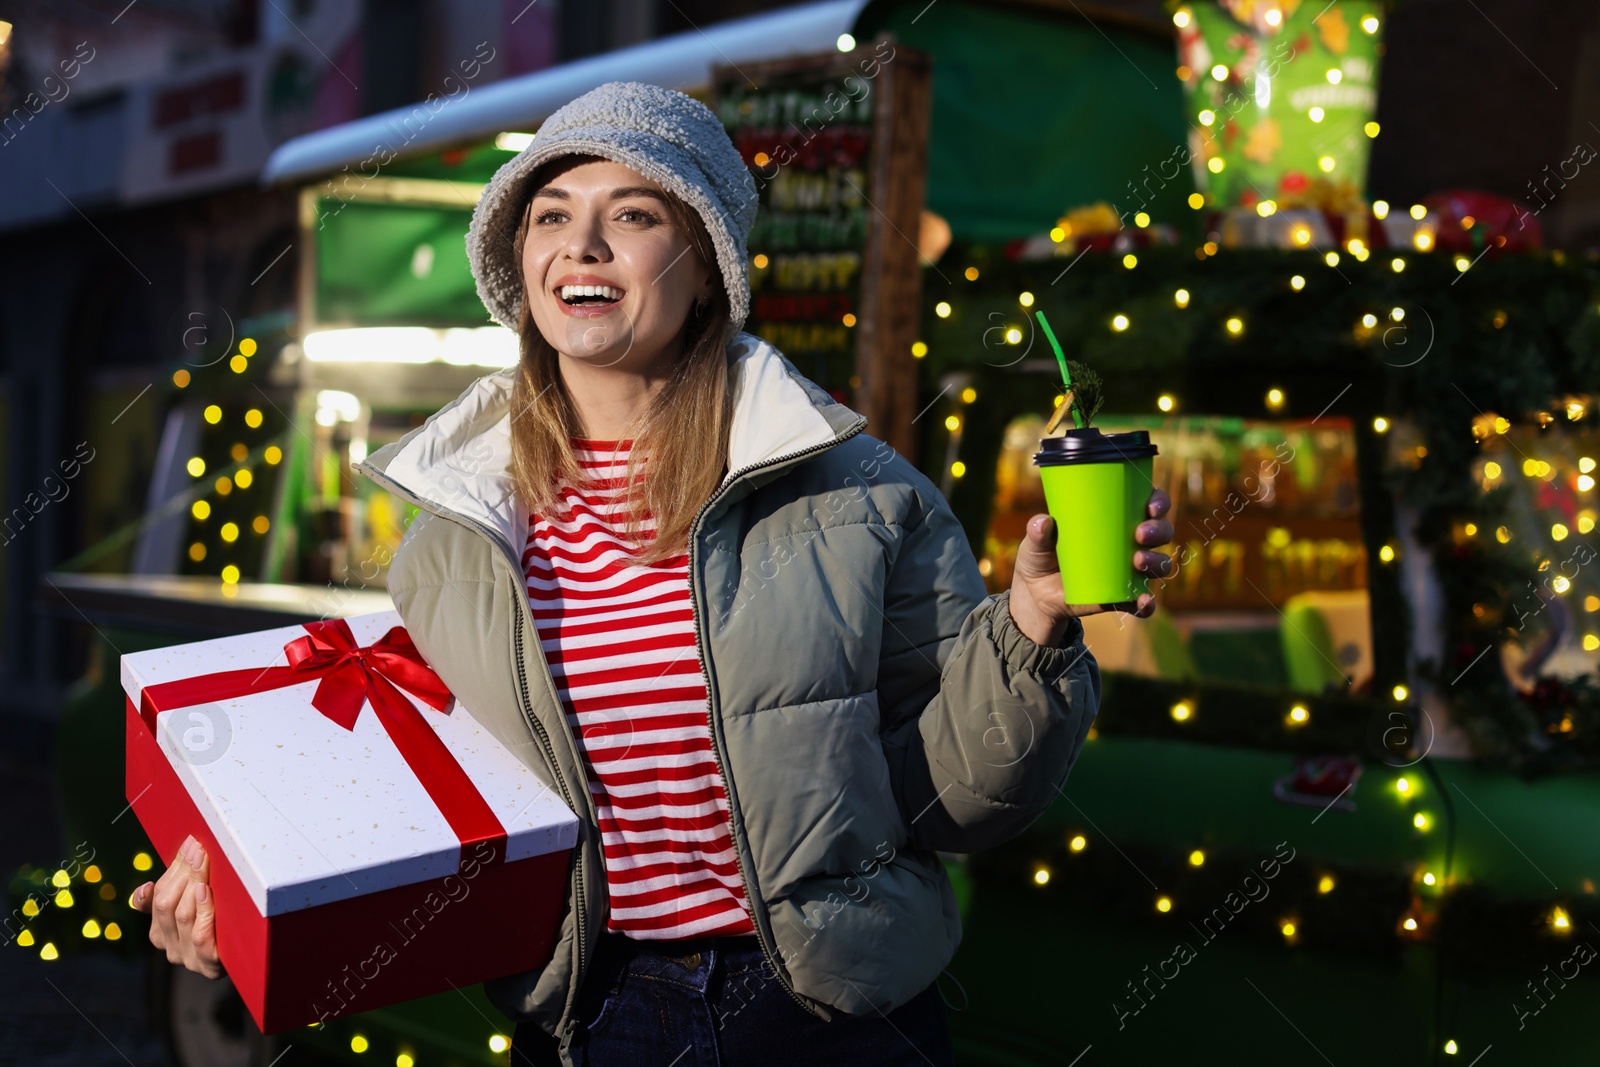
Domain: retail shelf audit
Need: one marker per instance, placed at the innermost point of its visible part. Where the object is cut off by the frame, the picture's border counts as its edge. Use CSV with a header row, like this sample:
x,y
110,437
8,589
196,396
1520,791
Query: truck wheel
x,y
205,1023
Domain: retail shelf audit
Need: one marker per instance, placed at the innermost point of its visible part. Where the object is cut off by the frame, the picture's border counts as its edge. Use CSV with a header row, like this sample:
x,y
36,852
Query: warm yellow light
x,y
91,873
1057,234
238,364
63,898
499,1043
1423,241
273,455
1235,326
49,951
1591,603
1370,24
759,261
1163,904
1165,402
1559,583
1141,220
1419,212
848,319
1299,714
243,479
957,469
1013,335
1559,919
1585,482
113,932
919,349
404,1059
1325,884
1180,18
1586,464
1273,16
196,466
1207,117
1491,470
1331,259
61,879
1401,692
197,551
1181,298
213,414
1297,283
1197,858
1420,821
1428,878
1397,314
1371,129
230,575
1041,875
1501,424
180,378
224,485
1119,322
248,346
1462,263
1274,398
25,939
358,1043
1215,164
1335,75
1197,201
30,907
1402,785
1220,72
1397,264
91,929
1301,236
968,395
1449,1046
141,861
1502,534
1558,532
1025,298
1380,209
1130,261
260,524
942,309
1369,320
1327,163
1287,927
1386,553
1315,114
1181,711
1266,208
1410,923
1590,642
972,274
1078,843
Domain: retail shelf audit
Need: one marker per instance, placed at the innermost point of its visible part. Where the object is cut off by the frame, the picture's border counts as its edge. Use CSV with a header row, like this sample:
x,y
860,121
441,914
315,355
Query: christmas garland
x,y
1509,335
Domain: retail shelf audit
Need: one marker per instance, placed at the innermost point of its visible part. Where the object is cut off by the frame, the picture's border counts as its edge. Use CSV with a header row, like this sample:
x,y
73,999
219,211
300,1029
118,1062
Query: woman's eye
x,y
639,215
545,216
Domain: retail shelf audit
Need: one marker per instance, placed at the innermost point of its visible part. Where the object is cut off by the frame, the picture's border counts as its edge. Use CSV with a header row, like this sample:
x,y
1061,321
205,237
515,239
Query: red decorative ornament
x,y
1472,221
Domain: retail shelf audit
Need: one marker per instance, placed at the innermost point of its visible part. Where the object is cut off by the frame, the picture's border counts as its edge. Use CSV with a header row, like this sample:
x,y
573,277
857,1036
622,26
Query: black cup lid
x,y
1089,445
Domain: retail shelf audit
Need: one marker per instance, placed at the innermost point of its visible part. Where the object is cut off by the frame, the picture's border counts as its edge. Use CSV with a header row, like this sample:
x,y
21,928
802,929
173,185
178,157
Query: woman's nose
x,y
585,239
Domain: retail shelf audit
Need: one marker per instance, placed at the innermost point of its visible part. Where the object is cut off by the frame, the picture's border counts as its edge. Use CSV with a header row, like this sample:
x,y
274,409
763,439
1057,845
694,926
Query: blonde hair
x,y
683,432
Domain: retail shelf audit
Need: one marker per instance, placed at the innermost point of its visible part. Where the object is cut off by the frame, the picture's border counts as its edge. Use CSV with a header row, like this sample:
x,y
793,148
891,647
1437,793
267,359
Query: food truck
x,y
1318,772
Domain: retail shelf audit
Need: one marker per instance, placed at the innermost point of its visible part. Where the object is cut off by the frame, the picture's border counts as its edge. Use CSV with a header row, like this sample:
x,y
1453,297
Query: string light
x,y
1370,24
1297,283
1331,259
1078,843
1298,715
1335,75
1325,884
1180,18
1235,326
1371,129
1450,1047
1197,201
1266,208
1130,261
1220,72
1397,264
213,414
1402,785
1397,314
1215,165
1315,114
180,378
1181,298
1197,858
1380,424
1275,399
1369,320
1025,299
1327,163
1207,117
1141,220
1181,711
1041,875
499,1043
1419,212
1380,209
1420,821
1165,402
1163,904
1401,692
1119,322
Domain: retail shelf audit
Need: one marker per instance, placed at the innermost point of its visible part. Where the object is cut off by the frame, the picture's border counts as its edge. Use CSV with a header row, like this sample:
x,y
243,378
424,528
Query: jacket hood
x,y
458,461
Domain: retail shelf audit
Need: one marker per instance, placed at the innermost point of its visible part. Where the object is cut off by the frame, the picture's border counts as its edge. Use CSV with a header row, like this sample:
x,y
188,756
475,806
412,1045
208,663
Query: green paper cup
x,y
1096,487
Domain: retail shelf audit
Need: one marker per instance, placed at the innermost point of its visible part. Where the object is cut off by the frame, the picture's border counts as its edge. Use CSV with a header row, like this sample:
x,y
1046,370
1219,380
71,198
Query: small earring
x,y
701,307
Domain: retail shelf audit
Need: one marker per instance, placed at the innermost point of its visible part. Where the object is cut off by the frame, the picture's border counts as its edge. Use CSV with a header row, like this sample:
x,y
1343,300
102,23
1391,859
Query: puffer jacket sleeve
x,y
981,724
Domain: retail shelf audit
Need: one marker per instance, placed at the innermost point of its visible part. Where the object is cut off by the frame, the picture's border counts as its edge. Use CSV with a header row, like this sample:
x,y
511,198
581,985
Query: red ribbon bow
x,y
350,677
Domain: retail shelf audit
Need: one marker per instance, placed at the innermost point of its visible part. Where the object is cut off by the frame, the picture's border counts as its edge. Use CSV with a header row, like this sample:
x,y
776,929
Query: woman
x,y
767,675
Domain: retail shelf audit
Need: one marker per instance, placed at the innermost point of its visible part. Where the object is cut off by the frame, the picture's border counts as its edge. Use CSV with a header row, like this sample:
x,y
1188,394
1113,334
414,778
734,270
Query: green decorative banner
x,y
1280,97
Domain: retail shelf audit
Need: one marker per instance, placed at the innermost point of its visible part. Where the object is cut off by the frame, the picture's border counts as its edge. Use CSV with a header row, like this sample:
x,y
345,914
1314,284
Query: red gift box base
x,y
371,951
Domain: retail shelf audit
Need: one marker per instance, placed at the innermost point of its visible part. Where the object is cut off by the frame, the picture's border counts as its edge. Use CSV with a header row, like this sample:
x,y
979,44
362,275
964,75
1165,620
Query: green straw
x,y
1061,358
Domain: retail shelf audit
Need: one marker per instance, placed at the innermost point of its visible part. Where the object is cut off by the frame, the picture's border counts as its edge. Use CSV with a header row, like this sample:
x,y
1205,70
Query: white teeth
x,y
571,292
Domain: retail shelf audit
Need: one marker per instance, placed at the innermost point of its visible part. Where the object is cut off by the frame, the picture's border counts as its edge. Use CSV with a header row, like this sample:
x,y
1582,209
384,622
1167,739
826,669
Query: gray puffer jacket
x,y
869,703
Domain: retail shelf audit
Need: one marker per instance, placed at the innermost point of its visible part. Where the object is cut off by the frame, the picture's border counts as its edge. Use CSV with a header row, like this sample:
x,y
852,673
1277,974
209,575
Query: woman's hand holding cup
x,y
183,912
1037,604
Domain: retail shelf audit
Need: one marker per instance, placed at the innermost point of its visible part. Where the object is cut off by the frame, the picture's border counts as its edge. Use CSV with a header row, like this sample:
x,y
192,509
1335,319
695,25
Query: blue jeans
x,y
713,1002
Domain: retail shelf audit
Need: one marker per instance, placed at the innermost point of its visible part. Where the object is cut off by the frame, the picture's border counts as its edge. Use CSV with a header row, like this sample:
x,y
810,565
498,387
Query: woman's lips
x,y
587,310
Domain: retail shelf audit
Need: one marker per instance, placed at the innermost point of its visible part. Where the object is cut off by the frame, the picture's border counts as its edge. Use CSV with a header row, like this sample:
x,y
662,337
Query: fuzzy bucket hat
x,y
667,136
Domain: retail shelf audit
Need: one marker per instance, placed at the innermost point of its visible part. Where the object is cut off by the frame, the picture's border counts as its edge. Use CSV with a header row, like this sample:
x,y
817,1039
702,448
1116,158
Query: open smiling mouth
x,y
589,296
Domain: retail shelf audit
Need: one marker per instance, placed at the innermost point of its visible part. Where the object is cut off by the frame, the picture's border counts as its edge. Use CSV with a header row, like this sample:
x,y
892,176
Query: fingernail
x,y
191,851
202,892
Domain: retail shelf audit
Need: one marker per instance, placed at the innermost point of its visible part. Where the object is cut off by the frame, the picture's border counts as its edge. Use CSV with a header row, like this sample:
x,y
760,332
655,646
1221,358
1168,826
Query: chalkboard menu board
x,y
837,145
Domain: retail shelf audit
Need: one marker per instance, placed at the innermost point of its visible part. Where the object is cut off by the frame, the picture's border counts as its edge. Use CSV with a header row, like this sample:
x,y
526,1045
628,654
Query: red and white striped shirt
x,y
620,642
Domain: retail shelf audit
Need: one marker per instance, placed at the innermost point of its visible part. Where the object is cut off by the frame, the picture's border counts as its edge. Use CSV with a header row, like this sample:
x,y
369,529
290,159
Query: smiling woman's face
x,y
611,278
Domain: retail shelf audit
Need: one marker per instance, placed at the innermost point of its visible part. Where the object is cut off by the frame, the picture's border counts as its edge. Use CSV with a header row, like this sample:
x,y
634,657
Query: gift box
x,y
370,842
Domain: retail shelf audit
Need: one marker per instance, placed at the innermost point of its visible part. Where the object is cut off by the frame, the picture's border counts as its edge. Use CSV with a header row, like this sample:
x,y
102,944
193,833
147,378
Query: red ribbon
x,y
349,677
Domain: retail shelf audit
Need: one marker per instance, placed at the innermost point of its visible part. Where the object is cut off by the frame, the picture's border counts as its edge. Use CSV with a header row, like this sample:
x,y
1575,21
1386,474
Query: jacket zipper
x,y
527,711
711,716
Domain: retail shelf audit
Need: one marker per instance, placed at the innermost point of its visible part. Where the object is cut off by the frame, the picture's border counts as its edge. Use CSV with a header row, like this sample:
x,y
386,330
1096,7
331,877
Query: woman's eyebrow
x,y
620,193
